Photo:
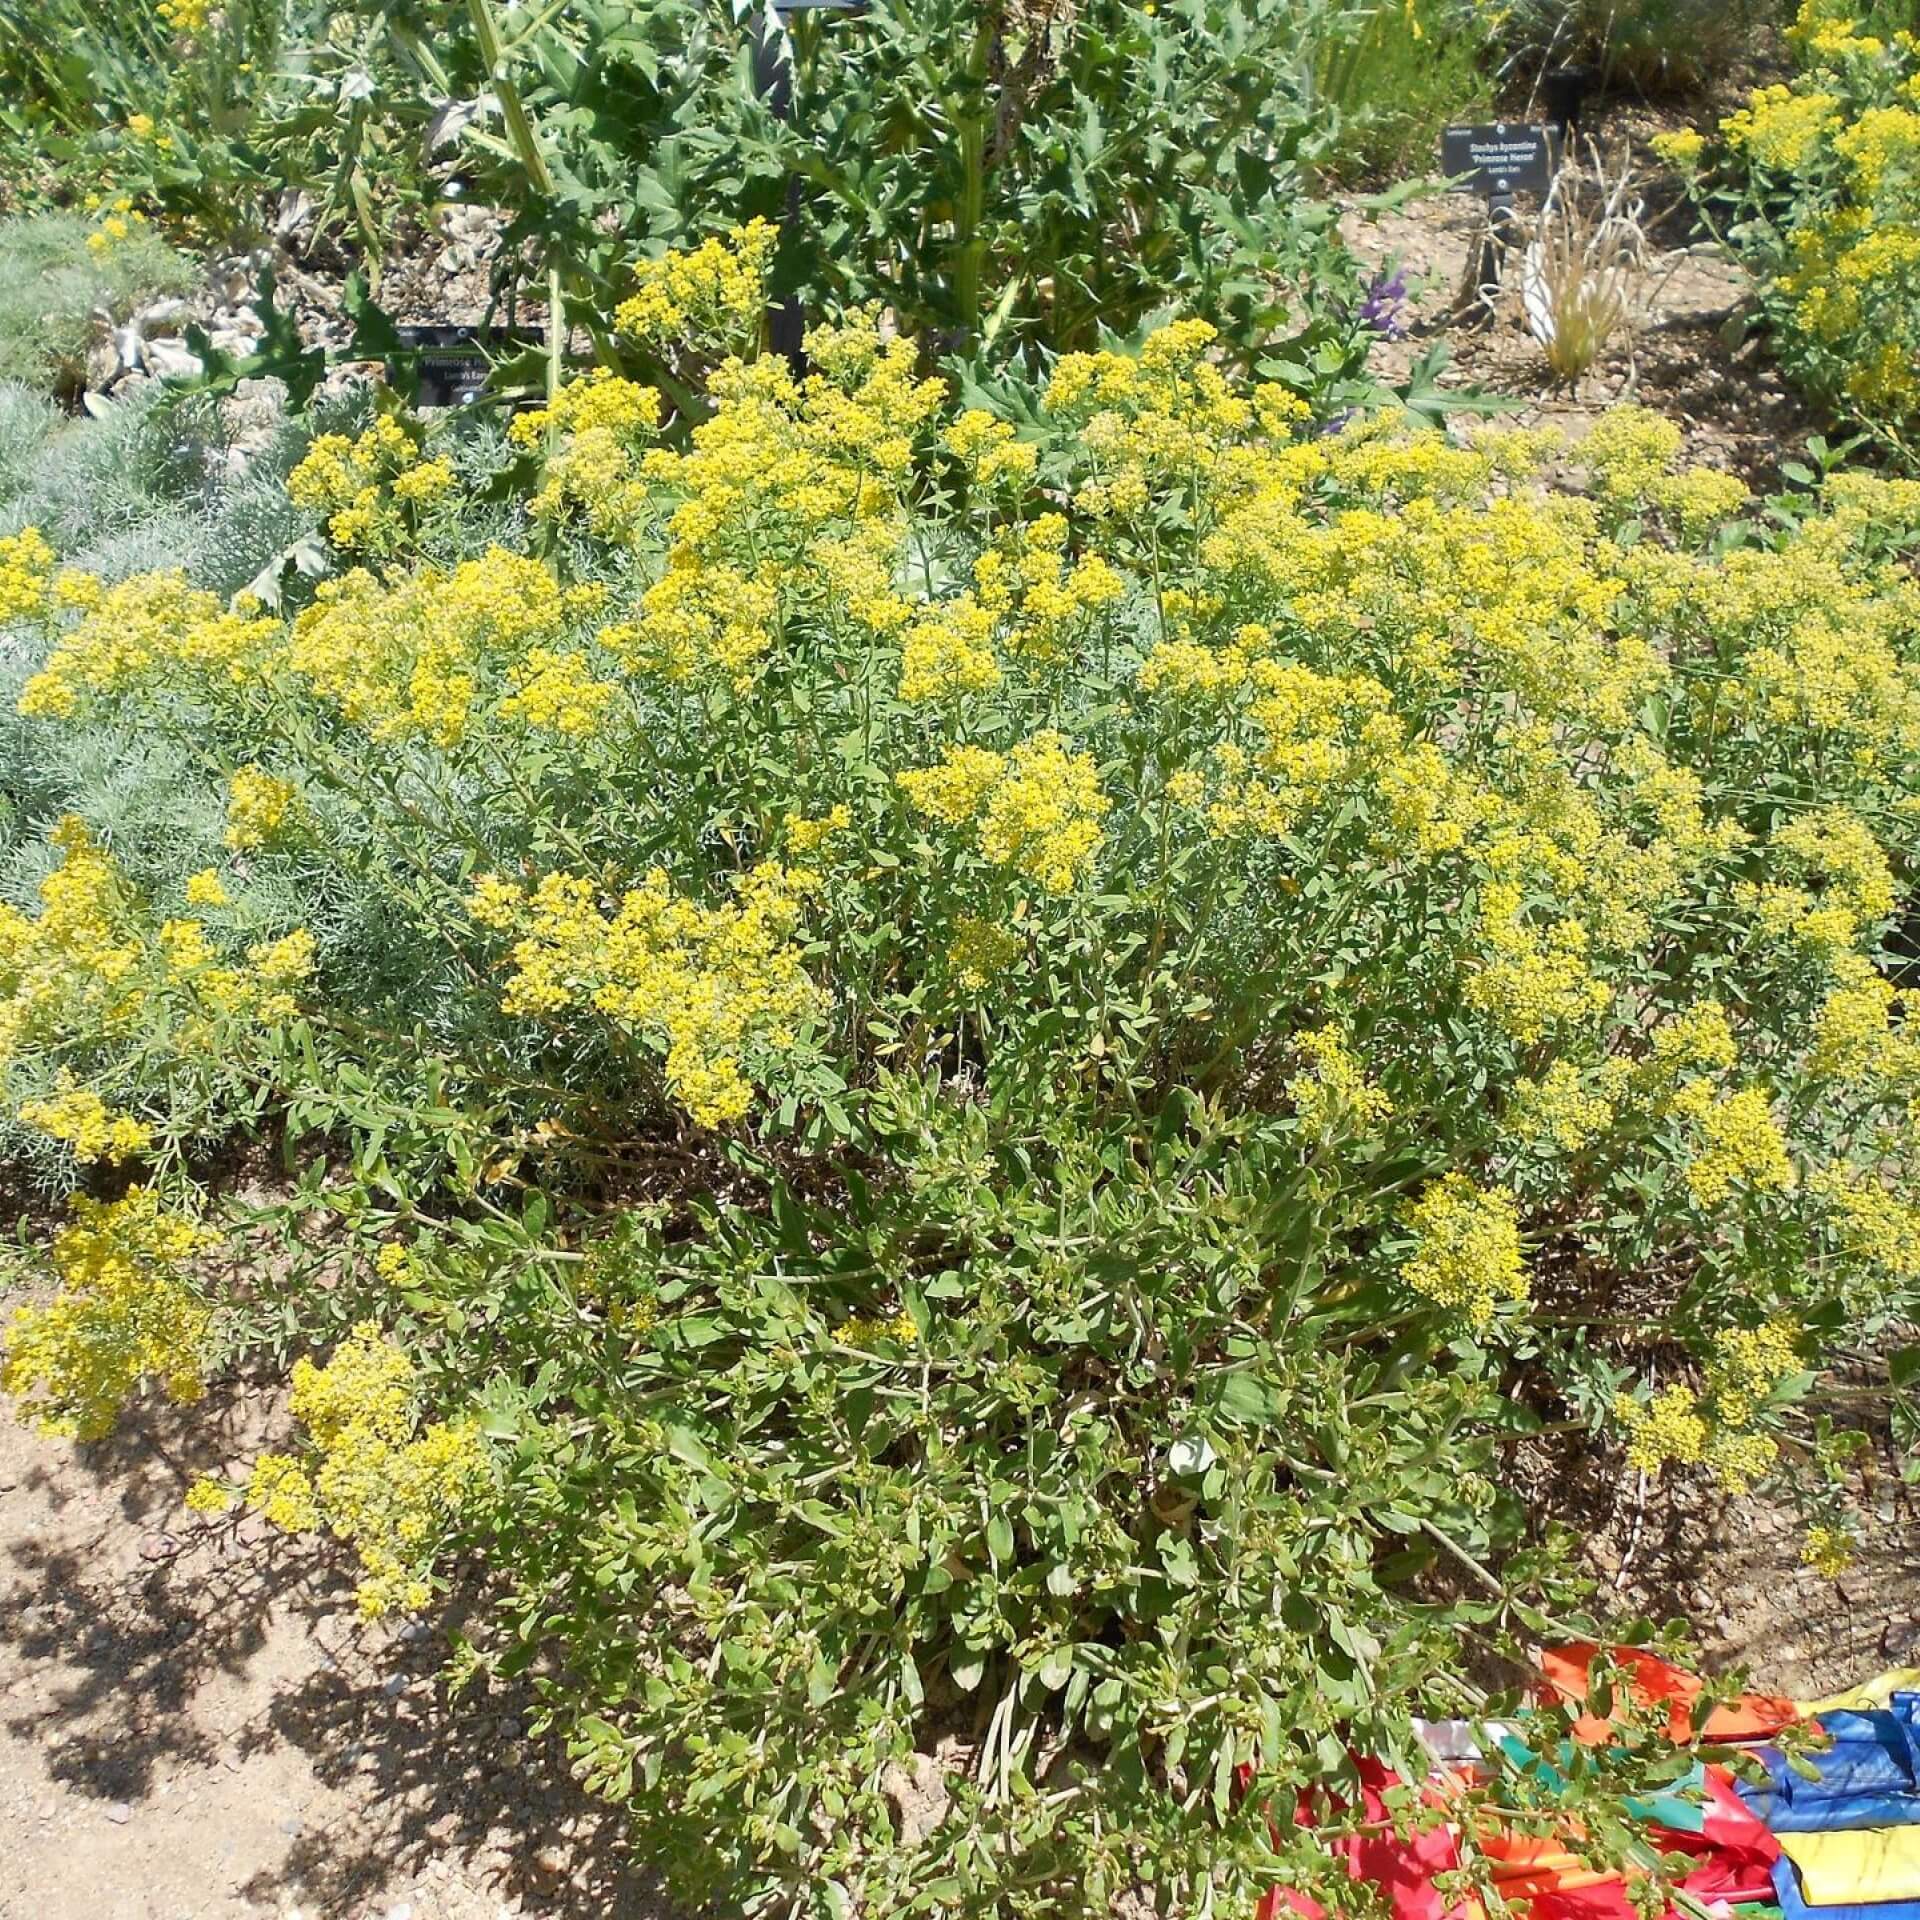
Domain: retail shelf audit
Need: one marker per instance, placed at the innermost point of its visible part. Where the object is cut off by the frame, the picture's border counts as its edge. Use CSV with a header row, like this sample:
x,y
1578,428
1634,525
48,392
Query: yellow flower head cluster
x,y
1738,1140
89,968
863,1331
149,630
1562,1108
556,691
709,299
986,447
1036,811
1836,886
1683,149
185,16
1780,127
1532,978
1468,1253
362,484
720,990
78,1117
26,570
699,622
981,952
1043,599
409,658
948,651
379,1477
809,834
124,1315
1668,1427
1829,1551
595,429
120,220
1333,1091
1715,1429
1835,164
257,806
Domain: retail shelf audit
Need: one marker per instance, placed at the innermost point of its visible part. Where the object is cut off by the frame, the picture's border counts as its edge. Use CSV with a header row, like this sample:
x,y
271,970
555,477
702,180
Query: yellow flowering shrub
x,y
923,1072
1820,178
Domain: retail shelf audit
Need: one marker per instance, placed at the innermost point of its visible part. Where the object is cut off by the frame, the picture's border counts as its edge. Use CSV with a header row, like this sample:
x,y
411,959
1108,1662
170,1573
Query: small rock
x,y
119,1813
293,1826
171,361
394,1684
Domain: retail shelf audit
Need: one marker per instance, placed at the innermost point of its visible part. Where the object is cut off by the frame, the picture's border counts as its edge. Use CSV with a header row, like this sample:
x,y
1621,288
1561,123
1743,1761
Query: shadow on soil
x,y
132,1609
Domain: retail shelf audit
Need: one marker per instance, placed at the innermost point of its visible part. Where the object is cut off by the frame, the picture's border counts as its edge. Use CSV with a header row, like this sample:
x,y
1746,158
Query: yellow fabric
x,y
1868,1695
1839,1869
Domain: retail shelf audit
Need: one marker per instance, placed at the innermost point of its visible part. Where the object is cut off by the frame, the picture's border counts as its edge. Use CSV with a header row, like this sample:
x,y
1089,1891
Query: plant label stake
x,y
452,363
773,82
1497,162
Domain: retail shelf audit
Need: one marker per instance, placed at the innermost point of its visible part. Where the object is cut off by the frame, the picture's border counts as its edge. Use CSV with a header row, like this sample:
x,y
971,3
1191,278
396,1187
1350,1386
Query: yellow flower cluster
x,y
26,569
120,220
363,484
1828,1551
705,300
721,991
1780,127
257,806
699,622
988,450
1333,1091
1036,811
1715,1429
145,631
90,968
863,1331
185,16
380,1478
124,1315
556,691
1467,1256
1559,1106
1668,1427
410,657
79,1117
1738,1140
1835,164
594,430
981,952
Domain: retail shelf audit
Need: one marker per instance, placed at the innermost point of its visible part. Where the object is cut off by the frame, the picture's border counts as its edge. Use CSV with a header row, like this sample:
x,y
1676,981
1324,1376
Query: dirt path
x,y
194,1726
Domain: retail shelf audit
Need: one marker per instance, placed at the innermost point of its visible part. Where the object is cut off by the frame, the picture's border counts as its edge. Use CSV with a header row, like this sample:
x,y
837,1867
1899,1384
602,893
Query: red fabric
x,y
1736,1851
1403,1869
1655,1682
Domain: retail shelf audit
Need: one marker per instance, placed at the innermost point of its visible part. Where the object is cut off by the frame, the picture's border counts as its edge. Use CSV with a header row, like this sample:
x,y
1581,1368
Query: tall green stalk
x,y
526,147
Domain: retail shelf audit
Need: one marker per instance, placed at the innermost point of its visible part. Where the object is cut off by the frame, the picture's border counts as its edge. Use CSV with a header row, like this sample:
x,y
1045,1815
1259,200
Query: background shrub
x,y
1818,182
64,279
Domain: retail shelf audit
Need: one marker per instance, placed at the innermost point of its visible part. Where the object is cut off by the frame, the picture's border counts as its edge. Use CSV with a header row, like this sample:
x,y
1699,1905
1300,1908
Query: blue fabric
x,y
1868,1777
1794,1904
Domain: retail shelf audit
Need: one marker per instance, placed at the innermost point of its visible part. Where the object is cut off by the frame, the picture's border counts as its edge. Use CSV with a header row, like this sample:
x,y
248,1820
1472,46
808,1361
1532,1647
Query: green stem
x,y
526,147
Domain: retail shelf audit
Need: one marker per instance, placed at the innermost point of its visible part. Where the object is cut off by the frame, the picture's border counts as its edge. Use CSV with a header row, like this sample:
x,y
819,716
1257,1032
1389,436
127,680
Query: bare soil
x,y
194,1725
